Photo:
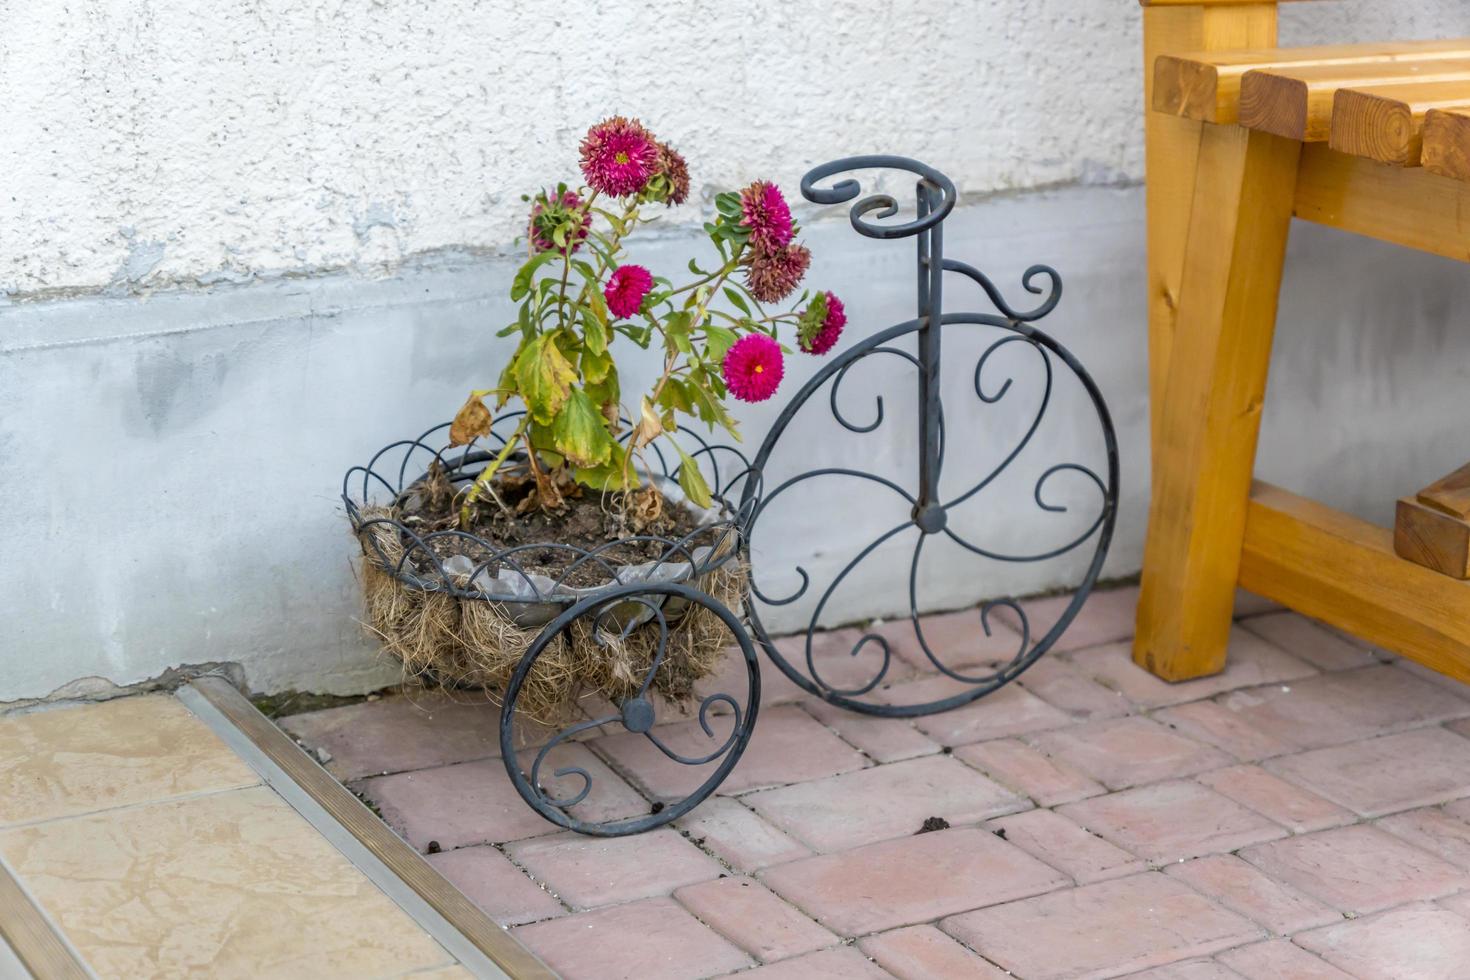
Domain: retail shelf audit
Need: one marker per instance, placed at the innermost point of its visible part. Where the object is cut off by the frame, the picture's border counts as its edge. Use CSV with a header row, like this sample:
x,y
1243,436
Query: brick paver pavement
x,y
1304,814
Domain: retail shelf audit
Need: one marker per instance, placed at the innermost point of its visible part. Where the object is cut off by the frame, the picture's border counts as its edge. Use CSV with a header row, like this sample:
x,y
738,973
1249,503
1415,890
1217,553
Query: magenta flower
x,y
753,368
626,288
764,211
771,276
618,156
822,323
546,214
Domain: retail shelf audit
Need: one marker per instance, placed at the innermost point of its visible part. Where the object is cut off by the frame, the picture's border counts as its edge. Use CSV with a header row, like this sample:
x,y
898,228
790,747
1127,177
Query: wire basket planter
x,y
661,627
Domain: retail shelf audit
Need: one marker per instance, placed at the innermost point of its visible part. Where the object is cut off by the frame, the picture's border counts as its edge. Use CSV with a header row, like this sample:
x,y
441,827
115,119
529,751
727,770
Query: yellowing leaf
x,y
470,423
612,475
691,480
579,432
544,377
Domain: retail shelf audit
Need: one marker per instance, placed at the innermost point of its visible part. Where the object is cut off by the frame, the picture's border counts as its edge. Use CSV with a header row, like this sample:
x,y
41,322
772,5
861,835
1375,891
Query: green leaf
x,y
733,295
717,342
521,286
580,432
594,324
544,377
691,480
676,397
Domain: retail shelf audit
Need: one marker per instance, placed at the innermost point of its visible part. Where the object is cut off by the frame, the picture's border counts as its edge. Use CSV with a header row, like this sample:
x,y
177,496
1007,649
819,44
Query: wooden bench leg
x,y
1204,452
1171,145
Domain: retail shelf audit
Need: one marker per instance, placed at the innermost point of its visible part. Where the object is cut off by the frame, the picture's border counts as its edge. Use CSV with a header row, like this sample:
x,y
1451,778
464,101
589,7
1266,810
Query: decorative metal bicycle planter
x,y
653,601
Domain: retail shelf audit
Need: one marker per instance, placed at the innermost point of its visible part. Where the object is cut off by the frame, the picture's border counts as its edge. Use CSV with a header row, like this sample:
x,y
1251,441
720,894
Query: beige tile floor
x,y
158,853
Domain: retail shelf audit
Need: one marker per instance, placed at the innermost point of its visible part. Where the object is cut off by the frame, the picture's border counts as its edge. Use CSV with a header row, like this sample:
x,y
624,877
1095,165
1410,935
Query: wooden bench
x,y
1242,136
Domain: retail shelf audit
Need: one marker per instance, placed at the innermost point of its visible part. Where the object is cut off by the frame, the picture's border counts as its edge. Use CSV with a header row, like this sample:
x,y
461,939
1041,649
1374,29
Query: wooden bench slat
x,y
1297,102
1447,143
1412,208
1205,85
1386,123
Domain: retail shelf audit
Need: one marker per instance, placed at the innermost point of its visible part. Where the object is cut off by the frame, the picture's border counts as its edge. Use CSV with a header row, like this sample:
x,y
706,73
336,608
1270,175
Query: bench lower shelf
x,y
1343,570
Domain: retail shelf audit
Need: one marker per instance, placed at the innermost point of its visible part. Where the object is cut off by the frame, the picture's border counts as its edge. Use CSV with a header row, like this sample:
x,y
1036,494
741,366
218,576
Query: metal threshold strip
x,y
440,909
30,943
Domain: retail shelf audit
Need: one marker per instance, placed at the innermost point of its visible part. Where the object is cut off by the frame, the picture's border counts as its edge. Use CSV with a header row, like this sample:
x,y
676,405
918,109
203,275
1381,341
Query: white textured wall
x,y
149,143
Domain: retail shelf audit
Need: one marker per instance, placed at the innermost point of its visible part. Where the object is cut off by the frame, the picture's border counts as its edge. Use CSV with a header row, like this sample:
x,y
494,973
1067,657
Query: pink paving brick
x,y
1291,806
1065,846
1107,616
475,803
884,739
1251,661
745,841
889,801
753,918
1384,775
498,887
911,880
732,678
1279,959
586,872
400,732
1434,830
1420,941
1011,710
1172,821
1190,970
786,746
1063,686
1125,752
1308,640
1444,682
1242,888
1459,904
830,964
1106,929
1018,766
956,639
843,660
655,939
1358,869
1344,706
925,953
1209,722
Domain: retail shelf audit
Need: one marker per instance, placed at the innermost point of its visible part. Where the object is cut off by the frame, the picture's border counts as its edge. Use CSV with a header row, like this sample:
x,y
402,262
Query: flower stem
x,y
482,482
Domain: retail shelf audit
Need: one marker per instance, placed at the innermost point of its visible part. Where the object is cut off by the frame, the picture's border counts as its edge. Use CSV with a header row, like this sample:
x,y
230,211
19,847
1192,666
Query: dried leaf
x,y
470,423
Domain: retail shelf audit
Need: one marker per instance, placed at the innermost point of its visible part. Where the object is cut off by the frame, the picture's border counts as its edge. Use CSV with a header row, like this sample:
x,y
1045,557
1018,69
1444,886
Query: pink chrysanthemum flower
x,y
618,156
753,368
822,323
626,288
771,276
546,215
764,211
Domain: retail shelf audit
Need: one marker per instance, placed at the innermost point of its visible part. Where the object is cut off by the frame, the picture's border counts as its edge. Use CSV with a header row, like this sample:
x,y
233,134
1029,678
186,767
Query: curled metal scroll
x,y
637,715
929,509
885,205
